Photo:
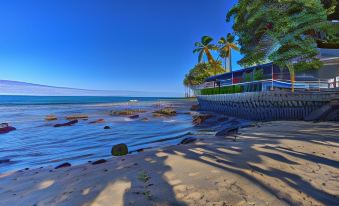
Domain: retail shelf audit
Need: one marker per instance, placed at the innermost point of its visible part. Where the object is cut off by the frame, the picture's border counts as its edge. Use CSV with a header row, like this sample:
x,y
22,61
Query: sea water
x,y
36,143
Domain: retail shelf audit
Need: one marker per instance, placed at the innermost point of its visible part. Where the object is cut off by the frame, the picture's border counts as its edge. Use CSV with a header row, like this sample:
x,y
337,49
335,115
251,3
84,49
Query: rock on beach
x,y
127,112
63,165
70,123
165,112
119,150
51,117
77,116
97,121
201,118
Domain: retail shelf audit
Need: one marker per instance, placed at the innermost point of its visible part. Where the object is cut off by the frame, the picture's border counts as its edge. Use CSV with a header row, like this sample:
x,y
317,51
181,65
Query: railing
x,y
268,85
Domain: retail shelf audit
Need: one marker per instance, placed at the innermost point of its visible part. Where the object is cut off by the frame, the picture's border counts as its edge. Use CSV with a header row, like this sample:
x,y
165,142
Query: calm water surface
x,y
37,143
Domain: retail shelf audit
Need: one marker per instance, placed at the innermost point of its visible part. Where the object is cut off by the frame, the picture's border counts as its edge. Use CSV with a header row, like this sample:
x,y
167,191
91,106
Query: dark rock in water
x,y
140,150
5,161
97,121
127,112
195,107
107,127
199,119
99,162
164,112
119,150
134,116
144,119
66,124
77,116
188,140
26,168
228,131
63,165
5,128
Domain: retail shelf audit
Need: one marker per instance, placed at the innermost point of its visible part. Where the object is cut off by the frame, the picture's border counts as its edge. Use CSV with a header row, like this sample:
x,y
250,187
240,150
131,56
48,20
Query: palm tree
x,y
280,32
204,48
225,48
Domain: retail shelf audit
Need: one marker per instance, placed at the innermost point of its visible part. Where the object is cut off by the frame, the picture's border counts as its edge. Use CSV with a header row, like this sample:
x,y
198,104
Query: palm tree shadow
x,y
244,156
149,185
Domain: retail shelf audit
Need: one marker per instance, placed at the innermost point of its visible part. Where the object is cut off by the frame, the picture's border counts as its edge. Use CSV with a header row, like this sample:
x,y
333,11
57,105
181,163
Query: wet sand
x,y
273,163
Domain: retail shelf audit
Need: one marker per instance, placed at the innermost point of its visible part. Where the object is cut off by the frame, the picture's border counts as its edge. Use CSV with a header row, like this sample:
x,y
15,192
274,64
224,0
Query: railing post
x,y
335,82
232,79
319,85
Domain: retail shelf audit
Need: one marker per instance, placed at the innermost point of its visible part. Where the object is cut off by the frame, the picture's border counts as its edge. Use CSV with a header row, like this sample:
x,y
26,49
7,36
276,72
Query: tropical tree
x,y
225,49
331,39
332,9
200,72
204,48
279,31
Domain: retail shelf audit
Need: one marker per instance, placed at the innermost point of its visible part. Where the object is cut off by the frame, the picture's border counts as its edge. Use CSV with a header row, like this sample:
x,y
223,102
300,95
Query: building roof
x,y
229,74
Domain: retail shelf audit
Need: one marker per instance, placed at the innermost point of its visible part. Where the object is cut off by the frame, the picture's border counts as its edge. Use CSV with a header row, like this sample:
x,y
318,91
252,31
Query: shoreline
x,y
36,142
274,163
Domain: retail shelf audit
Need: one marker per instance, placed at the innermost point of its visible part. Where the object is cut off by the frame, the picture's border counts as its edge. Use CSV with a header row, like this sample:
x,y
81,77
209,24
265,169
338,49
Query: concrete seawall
x,y
274,105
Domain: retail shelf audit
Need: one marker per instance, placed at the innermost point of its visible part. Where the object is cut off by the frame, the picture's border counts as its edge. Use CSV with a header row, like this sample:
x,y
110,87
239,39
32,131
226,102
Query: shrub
x,y
247,77
222,90
258,74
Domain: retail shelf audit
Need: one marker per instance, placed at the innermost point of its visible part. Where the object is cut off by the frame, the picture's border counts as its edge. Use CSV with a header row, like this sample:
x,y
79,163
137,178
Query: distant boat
x,y
133,100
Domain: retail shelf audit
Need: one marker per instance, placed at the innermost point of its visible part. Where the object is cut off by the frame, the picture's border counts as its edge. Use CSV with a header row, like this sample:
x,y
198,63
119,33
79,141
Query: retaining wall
x,y
269,105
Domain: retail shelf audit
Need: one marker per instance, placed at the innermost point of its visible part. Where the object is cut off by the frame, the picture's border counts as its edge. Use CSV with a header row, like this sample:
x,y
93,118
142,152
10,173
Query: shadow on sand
x,y
294,166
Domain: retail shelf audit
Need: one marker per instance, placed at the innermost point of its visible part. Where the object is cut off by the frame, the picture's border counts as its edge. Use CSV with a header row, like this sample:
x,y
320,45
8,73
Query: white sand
x,y
278,163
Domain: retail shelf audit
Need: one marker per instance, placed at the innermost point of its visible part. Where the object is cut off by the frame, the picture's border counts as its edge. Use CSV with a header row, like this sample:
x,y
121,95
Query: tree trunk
x,y
215,69
293,80
230,60
292,76
209,55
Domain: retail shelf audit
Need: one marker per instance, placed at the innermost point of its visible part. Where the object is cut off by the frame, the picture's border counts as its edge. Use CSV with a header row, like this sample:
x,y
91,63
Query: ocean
x,y
36,143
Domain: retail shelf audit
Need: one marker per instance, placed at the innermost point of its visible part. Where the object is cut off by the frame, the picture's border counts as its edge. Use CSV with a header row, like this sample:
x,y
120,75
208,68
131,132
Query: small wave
x,y
163,139
126,119
169,121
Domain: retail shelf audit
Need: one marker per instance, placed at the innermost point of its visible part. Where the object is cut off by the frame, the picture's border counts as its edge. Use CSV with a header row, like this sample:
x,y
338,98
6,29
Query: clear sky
x,y
143,45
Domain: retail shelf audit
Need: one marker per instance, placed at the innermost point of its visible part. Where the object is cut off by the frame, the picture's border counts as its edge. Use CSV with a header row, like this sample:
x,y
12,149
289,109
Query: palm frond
x,y
206,40
196,50
198,44
234,47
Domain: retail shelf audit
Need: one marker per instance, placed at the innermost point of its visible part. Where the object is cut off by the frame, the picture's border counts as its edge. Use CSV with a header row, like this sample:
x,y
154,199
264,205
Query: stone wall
x,y
267,105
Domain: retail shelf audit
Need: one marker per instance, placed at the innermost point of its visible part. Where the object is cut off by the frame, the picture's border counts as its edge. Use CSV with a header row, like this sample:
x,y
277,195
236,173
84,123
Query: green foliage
x,y
328,45
143,177
332,8
225,46
331,40
201,71
258,74
204,48
279,31
247,77
222,90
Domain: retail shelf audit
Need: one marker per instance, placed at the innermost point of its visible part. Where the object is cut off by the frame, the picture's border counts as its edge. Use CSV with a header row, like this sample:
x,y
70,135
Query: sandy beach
x,y
273,163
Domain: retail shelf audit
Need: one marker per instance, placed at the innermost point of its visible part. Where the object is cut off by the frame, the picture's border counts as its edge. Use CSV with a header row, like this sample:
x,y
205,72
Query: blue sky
x,y
143,45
